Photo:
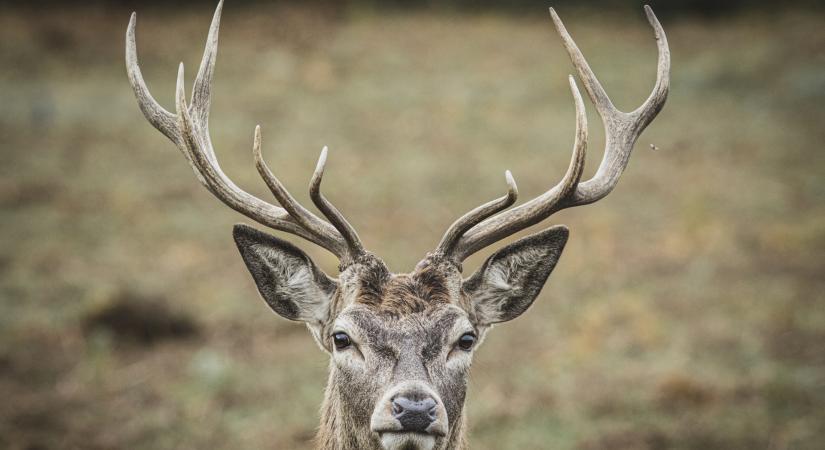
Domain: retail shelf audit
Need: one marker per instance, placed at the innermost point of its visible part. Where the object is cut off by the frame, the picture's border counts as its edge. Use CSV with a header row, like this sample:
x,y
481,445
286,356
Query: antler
x,y
621,131
188,129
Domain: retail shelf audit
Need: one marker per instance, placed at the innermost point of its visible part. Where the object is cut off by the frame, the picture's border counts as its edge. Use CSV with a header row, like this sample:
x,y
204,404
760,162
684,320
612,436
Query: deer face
x,y
403,377
401,345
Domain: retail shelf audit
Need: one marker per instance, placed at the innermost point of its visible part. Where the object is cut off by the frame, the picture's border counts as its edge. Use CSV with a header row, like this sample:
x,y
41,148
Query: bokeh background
x,y
687,312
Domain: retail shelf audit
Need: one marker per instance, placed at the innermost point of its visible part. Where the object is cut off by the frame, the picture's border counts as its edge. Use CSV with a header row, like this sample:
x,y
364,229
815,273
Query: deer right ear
x,y
511,278
287,279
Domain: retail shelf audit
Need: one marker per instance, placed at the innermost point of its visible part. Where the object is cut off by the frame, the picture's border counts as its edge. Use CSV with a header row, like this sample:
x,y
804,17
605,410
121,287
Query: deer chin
x,y
393,440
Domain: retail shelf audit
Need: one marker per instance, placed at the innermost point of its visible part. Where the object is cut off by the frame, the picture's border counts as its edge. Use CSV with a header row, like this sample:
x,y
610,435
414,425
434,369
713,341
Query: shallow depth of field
x,y
687,312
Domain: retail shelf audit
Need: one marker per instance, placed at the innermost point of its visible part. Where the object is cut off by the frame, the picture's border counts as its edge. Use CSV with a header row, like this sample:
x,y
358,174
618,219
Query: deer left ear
x,y
511,279
290,283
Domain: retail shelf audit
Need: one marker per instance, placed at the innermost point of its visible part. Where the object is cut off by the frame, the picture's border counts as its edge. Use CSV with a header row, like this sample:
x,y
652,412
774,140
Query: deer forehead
x,y
428,286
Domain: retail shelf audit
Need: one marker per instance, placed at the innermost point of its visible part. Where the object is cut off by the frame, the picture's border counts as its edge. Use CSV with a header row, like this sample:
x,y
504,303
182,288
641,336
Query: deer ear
x,y
286,277
511,279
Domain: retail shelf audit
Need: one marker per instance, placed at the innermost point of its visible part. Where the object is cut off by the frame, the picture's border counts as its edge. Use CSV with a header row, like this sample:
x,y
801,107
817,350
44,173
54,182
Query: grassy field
x,y
688,311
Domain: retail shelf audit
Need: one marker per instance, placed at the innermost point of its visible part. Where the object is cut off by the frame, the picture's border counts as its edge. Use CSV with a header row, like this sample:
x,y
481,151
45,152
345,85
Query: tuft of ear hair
x,y
510,279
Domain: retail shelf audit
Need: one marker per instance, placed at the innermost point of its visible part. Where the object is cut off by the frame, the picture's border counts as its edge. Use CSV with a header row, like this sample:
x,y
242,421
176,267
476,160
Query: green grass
x,y
687,311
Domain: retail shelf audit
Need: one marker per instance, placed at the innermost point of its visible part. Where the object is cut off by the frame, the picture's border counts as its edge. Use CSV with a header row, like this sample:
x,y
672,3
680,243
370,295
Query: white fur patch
x,y
398,441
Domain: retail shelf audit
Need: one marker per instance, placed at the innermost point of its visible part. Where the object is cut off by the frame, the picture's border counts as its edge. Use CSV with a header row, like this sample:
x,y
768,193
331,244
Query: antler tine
x,y
656,101
591,84
332,213
188,129
476,216
201,89
159,117
301,215
621,132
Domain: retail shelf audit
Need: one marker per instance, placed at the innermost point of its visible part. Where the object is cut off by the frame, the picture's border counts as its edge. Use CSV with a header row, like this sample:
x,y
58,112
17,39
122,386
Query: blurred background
x,y
688,309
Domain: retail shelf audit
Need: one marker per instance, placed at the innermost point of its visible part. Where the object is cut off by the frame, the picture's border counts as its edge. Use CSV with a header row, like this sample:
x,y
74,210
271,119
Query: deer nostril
x,y
414,415
397,409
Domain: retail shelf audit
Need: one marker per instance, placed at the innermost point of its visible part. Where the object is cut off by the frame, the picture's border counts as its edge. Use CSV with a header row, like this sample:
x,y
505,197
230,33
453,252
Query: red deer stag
x,y
400,344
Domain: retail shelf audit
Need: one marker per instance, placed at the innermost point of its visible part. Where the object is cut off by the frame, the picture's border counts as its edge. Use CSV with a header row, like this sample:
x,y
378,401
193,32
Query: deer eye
x,y
341,340
466,341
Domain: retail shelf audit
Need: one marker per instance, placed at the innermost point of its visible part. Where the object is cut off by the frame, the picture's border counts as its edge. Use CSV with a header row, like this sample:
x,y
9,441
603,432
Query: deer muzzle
x,y
409,415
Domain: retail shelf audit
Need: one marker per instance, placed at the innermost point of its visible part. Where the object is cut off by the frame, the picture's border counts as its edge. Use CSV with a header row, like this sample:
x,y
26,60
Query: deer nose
x,y
414,415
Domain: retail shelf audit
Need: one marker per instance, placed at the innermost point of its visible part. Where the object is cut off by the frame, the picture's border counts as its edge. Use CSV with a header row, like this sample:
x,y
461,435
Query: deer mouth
x,y
405,440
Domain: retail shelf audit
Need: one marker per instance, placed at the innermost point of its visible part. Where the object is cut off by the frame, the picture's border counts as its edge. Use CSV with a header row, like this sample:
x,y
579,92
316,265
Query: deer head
x,y
401,345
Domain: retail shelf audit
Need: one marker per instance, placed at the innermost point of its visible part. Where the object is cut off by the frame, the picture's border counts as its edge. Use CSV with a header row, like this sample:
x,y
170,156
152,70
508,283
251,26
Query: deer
x,y
400,344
